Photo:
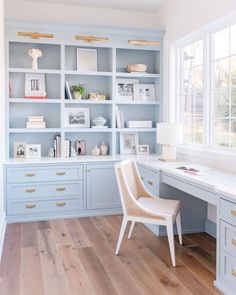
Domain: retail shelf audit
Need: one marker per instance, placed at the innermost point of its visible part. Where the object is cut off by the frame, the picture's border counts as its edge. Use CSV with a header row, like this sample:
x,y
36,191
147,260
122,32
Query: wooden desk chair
x,y
139,205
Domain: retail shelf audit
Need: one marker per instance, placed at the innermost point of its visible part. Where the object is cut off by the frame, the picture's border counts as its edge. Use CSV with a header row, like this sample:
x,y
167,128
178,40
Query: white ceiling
x,y
138,5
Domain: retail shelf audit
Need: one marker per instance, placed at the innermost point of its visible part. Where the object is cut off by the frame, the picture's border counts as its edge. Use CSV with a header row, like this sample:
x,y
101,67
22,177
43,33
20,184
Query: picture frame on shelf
x,y
142,149
87,60
125,89
33,151
80,147
77,118
35,86
19,149
144,92
128,142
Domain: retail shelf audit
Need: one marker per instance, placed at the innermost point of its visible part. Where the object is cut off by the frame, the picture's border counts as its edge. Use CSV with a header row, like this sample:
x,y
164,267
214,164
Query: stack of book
x,y
36,122
57,146
67,148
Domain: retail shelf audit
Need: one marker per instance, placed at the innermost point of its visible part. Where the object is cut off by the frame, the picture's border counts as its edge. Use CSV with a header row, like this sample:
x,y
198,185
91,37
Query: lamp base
x,y
168,153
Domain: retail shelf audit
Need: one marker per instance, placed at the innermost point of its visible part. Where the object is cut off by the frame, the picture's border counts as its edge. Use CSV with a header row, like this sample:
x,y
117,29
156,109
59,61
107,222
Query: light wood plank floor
x,y
76,257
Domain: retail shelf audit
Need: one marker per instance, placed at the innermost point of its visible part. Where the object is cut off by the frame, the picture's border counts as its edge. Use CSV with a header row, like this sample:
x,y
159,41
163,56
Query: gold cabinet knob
x,y
234,242
30,174
233,212
60,173
30,190
30,206
233,272
61,204
150,182
60,189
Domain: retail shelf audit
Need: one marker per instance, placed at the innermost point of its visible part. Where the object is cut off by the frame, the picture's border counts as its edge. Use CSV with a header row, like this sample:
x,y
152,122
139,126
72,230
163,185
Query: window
x,y
207,80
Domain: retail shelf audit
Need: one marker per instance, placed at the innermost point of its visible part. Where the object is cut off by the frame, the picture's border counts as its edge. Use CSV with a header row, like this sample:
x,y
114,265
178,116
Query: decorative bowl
x,y
136,68
99,121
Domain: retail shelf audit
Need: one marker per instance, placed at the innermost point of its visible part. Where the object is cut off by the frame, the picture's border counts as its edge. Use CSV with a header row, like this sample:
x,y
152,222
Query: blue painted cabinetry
x,y
102,189
150,179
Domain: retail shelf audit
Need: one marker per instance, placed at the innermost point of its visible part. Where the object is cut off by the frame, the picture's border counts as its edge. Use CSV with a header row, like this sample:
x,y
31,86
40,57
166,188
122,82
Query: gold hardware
x,y
150,182
234,242
30,190
233,212
30,206
60,173
91,38
30,174
144,42
61,204
233,272
35,35
60,189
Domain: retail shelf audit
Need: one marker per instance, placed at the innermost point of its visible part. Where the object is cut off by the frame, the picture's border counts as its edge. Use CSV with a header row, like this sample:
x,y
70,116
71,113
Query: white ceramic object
x,y
99,121
103,149
35,54
136,68
96,150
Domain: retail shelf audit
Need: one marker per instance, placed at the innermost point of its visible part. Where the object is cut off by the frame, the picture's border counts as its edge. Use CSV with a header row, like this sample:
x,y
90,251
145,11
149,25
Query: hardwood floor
x,y
76,257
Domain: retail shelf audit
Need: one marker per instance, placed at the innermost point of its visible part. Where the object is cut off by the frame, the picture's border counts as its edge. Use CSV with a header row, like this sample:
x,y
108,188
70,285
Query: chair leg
x,y
170,234
131,229
122,231
178,224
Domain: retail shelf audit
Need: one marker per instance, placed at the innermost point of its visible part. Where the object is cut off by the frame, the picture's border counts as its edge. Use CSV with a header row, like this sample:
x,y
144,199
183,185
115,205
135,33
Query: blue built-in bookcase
x,y
59,64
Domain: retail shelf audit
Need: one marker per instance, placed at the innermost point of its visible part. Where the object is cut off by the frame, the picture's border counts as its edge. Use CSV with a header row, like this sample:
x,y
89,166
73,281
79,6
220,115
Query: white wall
x,y
72,14
2,120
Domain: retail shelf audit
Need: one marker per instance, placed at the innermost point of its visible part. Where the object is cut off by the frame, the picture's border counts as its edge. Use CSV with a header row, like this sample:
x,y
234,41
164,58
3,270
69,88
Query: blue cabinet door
x,y
102,188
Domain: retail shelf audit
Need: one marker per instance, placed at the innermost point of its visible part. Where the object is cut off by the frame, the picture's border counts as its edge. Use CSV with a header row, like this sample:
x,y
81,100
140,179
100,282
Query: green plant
x,y
78,88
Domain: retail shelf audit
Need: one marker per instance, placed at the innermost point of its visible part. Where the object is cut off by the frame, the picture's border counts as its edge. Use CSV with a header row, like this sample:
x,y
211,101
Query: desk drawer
x,y
228,269
34,190
228,211
35,174
150,180
27,207
228,238
191,189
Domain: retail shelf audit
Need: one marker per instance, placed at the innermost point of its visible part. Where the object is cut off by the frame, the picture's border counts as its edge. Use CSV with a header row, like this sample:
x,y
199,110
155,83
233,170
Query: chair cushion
x,y
159,205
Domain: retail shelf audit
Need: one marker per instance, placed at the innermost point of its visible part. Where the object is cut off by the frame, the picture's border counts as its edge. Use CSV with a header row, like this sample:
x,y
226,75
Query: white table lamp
x,y
169,135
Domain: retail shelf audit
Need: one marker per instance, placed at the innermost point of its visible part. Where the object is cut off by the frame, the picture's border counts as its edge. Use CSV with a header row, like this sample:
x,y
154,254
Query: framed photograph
x,y
80,147
128,142
33,151
144,92
77,117
87,59
125,89
142,149
19,149
35,86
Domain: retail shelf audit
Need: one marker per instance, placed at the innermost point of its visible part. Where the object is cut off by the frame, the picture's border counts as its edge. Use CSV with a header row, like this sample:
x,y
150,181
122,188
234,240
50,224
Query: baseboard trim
x,y
210,228
2,233
155,229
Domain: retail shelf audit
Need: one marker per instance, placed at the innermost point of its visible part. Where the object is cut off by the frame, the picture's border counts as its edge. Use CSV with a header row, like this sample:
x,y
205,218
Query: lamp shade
x,y
169,133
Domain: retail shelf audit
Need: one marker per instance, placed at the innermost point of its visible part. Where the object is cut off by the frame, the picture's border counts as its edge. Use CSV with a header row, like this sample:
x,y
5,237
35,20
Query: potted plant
x,y
78,91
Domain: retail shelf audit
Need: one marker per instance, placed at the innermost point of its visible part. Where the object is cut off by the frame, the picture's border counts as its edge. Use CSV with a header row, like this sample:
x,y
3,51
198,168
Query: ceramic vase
x,y
104,149
96,150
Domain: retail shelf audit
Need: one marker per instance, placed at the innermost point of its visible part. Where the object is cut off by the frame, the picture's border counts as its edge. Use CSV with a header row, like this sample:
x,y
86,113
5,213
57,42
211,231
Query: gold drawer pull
x,y
30,206
60,173
234,242
233,212
150,182
61,204
34,35
30,190
233,272
60,189
30,174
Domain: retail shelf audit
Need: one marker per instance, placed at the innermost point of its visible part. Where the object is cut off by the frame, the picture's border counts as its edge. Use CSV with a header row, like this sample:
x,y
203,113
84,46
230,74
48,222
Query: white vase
x,y
104,149
96,150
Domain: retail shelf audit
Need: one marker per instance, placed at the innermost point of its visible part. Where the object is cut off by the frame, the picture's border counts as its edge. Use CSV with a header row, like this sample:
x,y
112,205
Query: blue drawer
x,y
27,207
46,173
228,238
228,269
150,180
45,190
228,211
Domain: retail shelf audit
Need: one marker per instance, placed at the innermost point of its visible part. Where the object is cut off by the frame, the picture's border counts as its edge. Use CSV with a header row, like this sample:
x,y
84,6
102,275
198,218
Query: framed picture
x,y
144,92
128,142
77,117
19,149
87,59
80,147
142,149
33,151
35,86
125,89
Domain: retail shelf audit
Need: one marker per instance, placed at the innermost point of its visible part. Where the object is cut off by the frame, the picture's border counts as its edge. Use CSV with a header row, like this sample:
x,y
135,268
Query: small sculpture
x,y
103,149
96,150
99,121
35,54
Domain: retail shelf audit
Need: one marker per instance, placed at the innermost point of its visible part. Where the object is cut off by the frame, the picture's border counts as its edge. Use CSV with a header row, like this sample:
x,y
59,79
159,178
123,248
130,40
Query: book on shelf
x,y
67,148
35,118
57,146
35,124
67,92
119,118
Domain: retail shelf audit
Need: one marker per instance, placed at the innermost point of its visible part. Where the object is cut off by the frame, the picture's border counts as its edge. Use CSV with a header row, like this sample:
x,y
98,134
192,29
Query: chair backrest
x,y
129,183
